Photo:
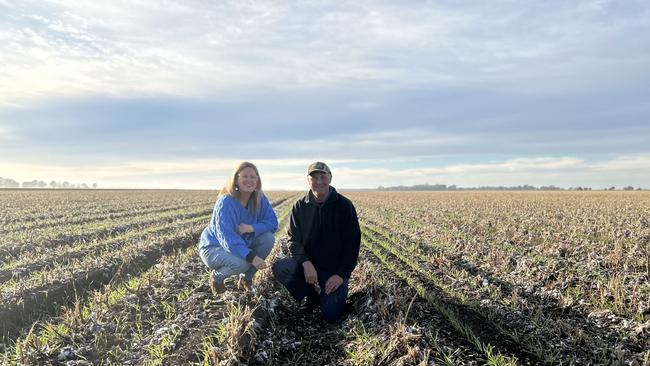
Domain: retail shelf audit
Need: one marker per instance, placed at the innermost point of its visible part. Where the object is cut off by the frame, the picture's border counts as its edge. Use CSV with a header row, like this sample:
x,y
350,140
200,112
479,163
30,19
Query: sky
x,y
174,94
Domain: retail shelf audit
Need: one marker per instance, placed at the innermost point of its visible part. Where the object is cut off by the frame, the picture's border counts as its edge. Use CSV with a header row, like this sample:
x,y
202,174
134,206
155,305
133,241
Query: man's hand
x,y
333,283
258,263
245,228
311,277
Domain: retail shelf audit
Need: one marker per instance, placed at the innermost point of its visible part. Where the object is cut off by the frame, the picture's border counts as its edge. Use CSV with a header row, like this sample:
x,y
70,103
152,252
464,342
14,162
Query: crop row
x,y
87,217
444,278
385,324
20,270
540,294
20,244
393,313
21,207
470,324
585,277
169,307
133,320
535,325
373,333
43,291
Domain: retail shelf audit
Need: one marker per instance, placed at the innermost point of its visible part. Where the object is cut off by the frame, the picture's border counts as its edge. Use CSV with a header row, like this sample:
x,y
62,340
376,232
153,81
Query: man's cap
x,y
318,166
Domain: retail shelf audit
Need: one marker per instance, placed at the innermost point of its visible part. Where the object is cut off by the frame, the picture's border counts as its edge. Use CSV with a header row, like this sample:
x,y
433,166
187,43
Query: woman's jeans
x,y
225,264
292,276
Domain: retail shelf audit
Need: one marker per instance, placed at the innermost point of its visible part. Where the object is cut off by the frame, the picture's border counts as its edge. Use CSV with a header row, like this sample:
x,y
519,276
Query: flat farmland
x,y
458,278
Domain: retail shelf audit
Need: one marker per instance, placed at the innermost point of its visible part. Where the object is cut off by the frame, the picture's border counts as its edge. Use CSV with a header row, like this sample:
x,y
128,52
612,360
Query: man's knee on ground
x,y
283,267
333,312
332,305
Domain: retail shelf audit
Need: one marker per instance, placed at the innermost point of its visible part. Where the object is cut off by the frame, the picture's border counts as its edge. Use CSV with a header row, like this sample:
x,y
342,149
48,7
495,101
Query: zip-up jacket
x,y
326,234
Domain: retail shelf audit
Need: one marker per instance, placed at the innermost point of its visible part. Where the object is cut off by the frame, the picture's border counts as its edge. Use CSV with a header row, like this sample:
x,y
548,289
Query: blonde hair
x,y
231,187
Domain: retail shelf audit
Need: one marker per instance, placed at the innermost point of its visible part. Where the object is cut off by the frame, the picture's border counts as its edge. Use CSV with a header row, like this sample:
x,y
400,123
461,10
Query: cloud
x,y
5,133
454,124
474,93
625,163
234,48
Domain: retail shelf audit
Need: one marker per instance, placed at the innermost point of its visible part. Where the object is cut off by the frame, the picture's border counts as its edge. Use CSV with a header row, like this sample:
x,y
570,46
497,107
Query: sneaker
x,y
216,286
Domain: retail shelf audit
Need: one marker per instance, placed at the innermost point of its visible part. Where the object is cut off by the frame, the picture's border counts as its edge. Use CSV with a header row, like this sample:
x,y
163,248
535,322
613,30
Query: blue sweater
x,y
228,213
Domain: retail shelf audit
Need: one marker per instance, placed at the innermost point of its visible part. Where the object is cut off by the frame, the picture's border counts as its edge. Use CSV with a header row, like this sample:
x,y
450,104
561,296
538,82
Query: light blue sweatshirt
x,y
228,213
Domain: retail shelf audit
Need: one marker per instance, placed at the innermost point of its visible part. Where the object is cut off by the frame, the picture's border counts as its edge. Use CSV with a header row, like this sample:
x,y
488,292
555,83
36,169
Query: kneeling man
x,y
324,239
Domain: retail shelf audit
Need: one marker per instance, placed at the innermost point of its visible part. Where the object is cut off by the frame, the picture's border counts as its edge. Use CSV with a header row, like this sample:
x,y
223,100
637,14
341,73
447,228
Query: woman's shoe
x,y
217,287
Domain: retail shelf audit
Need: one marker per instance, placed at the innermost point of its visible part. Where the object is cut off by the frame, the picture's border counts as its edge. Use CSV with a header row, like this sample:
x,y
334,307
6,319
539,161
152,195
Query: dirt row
x,y
22,307
22,206
29,264
13,247
164,314
538,322
101,215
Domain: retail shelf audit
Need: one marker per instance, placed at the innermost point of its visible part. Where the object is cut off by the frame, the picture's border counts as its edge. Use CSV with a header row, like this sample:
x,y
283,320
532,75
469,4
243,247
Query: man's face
x,y
319,183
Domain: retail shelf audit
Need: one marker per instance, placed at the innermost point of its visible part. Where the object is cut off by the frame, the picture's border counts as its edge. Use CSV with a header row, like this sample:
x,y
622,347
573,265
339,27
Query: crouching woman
x,y
239,236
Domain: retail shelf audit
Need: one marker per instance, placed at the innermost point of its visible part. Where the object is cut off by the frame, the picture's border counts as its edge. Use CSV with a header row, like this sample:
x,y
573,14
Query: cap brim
x,y
317,170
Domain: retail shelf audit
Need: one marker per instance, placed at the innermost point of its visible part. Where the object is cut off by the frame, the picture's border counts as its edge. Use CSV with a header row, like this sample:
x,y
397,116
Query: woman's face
x,y
247,180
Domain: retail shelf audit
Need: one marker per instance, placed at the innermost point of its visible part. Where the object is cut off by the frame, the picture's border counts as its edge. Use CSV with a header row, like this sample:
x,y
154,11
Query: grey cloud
x,y
363,80
207,48
403,124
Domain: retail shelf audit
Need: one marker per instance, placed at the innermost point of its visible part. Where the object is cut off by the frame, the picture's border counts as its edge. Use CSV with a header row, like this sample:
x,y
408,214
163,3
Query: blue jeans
x,y
292,276
225,264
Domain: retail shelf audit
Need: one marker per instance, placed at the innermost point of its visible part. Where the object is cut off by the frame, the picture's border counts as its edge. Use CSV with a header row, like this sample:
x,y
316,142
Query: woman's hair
x,y
231,187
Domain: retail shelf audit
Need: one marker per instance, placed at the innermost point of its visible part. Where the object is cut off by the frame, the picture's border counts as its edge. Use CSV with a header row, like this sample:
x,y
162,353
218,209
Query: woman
x,y
240,234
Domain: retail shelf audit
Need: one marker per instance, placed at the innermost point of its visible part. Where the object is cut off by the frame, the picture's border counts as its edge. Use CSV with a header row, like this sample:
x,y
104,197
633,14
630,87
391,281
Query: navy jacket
x,y
327,235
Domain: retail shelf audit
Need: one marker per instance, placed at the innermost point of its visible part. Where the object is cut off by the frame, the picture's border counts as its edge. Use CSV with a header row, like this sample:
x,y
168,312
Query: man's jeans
x,y
225,264
290,274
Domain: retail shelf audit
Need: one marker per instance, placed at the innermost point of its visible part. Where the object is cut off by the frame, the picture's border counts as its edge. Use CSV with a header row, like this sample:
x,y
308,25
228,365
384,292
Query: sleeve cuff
x,y
343,275
250,256
257,229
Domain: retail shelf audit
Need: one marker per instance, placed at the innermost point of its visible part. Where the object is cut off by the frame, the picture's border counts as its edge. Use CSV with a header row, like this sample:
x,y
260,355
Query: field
x,y
454,278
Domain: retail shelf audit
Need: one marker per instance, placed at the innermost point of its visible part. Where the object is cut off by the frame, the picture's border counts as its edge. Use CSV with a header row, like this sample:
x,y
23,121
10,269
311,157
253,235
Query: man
x,y
324,239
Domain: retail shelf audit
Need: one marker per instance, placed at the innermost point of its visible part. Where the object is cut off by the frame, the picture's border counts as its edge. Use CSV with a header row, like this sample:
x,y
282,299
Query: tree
x,y
628,188
94,185
9,183
32,184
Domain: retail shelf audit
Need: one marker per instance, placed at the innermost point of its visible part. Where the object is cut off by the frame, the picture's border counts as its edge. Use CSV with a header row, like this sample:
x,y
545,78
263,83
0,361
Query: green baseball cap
x,y
318,166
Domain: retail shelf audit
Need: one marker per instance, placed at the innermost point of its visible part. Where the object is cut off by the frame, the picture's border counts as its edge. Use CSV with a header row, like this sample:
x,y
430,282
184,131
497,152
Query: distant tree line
x,y
525,187
10,183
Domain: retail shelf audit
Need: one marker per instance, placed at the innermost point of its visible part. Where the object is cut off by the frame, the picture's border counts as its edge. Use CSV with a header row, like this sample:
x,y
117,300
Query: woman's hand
x,y
258,263
245,228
